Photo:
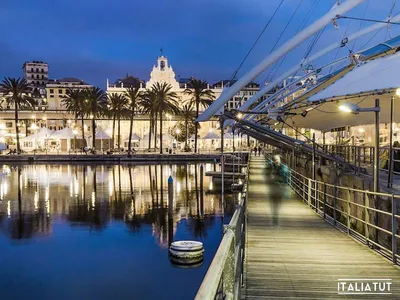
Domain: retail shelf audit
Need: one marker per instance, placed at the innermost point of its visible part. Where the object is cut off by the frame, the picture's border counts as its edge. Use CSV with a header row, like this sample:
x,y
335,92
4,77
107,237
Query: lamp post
x,y
390,166
353,108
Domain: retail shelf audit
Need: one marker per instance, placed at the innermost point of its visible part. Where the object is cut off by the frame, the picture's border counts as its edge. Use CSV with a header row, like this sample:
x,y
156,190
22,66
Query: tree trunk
x,y
161,137
119,132
195,127
130,132
186,134
150,129
94,133
16,126
155,131
113,133
83,131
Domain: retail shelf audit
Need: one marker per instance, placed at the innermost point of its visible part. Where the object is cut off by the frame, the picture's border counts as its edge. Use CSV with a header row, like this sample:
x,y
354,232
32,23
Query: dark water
x,y
102,232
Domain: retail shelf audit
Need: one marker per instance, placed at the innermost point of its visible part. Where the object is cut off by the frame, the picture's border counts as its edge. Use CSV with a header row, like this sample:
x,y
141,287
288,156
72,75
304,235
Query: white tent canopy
x,y
377,75
211,135
66,133
134,137
101,134
40,134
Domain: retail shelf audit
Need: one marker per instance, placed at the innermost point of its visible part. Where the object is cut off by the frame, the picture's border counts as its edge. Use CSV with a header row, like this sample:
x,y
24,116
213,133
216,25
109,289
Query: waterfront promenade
x,y
292,253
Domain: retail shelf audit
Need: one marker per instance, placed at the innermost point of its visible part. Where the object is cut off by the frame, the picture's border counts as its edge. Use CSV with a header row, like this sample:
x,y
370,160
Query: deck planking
x,y
292,253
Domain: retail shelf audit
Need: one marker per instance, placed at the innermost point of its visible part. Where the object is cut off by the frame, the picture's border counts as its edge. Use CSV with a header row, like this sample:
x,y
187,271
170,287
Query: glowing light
x,y
398,92
75,132
9,208
34,126
178,187
239,116
361,130
93,200
178,131
210,187
36,200
44,118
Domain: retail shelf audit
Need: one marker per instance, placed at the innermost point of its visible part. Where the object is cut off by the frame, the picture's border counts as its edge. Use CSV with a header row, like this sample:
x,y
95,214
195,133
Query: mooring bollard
x,y
170,196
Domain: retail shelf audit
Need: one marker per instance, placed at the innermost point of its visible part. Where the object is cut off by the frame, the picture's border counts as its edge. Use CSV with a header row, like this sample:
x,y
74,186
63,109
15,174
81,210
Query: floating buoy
x,y
186,252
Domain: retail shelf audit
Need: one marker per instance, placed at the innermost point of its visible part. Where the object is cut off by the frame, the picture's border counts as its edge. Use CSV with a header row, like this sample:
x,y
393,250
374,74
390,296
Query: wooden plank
x,y
292,253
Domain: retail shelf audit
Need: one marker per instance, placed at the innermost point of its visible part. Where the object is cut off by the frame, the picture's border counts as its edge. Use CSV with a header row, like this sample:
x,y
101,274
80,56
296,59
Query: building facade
x,y
36,73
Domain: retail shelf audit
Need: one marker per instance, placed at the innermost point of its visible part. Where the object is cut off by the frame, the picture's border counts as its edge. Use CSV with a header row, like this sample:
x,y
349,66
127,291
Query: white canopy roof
x,y
66,133
101,134
211,135
134,137
42,133
376,75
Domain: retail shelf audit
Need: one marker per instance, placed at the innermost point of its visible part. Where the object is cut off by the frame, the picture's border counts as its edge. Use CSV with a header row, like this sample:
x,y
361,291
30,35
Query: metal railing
x,y
224,278
369,217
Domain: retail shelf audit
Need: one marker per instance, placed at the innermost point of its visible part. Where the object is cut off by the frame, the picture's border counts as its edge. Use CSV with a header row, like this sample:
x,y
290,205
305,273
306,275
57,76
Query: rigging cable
x,y
284,30
256,41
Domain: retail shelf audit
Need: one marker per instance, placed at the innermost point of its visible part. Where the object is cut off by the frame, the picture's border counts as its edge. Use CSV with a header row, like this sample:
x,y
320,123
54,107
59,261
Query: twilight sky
x,y
98,39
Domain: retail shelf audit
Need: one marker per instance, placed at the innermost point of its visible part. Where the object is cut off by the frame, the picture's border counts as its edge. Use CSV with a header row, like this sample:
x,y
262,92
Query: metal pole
x,y
376,151
313,158
394,230
170,197
222,165
201,191
390,166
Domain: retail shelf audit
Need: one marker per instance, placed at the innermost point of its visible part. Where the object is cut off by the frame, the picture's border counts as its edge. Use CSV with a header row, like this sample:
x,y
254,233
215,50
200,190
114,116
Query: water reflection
x,y
95,197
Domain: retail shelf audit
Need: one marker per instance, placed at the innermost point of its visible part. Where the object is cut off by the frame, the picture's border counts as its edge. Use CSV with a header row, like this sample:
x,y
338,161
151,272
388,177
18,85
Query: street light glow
x,y
239,116
345,109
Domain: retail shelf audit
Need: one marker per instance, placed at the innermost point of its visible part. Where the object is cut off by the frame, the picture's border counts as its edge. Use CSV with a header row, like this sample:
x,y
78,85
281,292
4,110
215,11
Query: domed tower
x,y
162,72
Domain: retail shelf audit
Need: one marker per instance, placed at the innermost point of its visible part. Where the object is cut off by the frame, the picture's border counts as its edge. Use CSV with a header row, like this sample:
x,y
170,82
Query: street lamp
x,y
355,109
390,167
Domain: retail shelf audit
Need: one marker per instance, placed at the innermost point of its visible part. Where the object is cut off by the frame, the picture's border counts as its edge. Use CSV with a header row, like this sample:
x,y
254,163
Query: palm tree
x,y
74,103
134,96
147,105
201,95
115,107
17,93
188,117
96,107
166,101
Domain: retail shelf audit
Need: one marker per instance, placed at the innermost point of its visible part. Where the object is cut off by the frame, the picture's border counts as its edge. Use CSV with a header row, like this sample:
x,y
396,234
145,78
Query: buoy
x,y
186,252
186,246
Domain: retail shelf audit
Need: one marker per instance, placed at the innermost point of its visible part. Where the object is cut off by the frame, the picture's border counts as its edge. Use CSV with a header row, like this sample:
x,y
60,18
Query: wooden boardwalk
x,y
292,253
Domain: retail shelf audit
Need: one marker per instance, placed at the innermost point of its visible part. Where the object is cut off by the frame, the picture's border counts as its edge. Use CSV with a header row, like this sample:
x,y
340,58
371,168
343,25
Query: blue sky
x,y
97,39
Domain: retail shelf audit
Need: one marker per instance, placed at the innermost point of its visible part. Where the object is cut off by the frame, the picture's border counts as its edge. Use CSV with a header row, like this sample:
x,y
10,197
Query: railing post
x,y
394,230
324,200
309,192
366,217
316,196
348,211
334,205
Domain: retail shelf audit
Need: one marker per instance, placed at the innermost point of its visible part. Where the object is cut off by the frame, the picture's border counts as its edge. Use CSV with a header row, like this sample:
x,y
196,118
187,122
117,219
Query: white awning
x,y
381,74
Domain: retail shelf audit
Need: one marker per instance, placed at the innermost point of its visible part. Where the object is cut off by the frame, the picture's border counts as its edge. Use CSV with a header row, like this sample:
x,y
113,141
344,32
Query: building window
x,y
31,69
51,96
9,124
37,70
51,91
60,91
37,76
42,76
42,71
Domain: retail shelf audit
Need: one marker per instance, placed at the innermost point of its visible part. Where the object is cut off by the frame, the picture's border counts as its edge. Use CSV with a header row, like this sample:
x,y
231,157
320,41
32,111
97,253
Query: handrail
x,y
324,199
223,279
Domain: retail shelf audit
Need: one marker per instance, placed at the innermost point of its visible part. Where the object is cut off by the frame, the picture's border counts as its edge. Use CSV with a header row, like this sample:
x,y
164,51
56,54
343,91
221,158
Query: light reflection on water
x,y
112,210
